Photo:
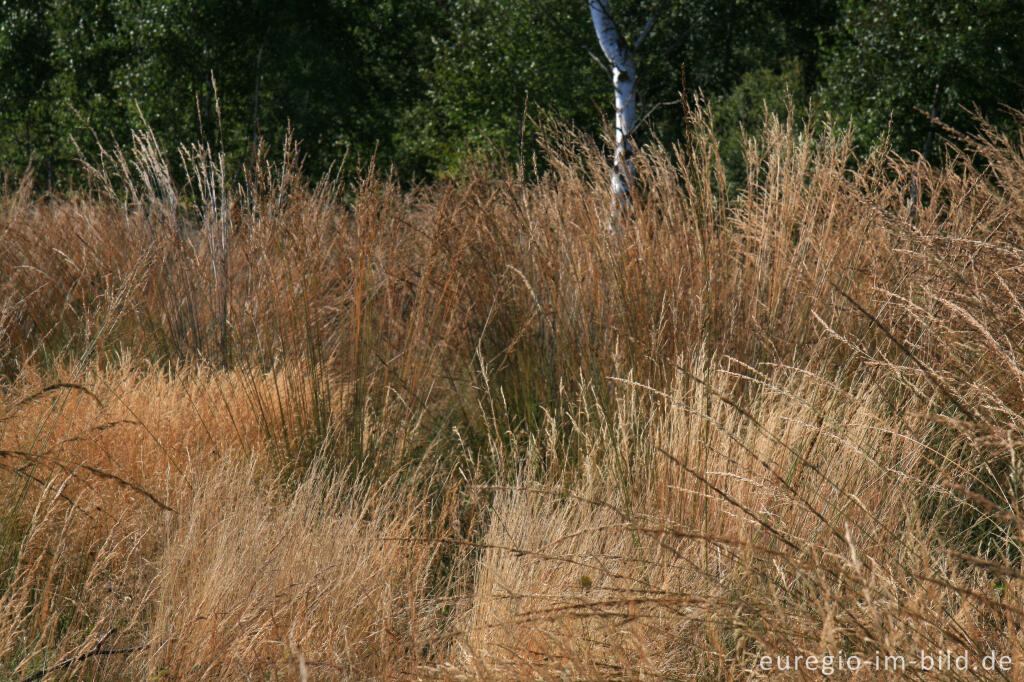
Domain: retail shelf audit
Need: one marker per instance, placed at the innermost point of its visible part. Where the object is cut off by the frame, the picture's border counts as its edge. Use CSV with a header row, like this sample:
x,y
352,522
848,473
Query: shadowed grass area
x,y
463,431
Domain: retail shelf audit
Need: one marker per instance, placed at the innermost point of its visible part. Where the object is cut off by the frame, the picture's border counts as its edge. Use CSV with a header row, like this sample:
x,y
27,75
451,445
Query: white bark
x,y
620,57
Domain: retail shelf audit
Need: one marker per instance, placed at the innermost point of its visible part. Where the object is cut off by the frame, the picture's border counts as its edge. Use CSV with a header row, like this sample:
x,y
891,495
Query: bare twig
x,y
47,389
646,31
97,650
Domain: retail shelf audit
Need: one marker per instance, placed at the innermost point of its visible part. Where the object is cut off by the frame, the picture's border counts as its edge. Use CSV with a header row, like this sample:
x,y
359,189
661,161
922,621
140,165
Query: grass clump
x,y
463,431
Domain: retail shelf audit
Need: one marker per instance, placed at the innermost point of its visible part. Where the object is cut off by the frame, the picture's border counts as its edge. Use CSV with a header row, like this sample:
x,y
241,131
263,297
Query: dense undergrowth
x,y
290,430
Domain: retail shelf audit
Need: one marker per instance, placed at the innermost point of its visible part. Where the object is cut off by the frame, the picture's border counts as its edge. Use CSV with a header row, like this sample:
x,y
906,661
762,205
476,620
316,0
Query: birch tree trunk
x,y
620,57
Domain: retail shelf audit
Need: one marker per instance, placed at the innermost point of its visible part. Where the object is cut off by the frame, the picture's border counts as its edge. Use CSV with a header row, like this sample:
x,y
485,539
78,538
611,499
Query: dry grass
x,y
274,430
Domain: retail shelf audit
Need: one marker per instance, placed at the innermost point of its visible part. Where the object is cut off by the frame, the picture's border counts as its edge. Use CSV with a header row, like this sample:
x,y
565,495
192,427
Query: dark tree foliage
x,y
337,73
902,60
26,45
499,59
430,85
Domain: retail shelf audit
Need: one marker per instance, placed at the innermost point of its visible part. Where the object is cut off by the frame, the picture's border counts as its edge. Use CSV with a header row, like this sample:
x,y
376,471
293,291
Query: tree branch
x,y
646,31
96,651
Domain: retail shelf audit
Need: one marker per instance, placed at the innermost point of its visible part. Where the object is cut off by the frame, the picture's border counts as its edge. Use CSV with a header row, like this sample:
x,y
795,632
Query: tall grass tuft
x,y
253,425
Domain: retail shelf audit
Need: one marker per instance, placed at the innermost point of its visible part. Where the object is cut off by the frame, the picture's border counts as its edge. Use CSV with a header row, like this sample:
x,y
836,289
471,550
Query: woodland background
x,y
431,85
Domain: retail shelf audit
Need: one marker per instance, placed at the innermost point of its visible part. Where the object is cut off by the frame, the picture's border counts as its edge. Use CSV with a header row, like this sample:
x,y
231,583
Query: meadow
x,y
259,426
